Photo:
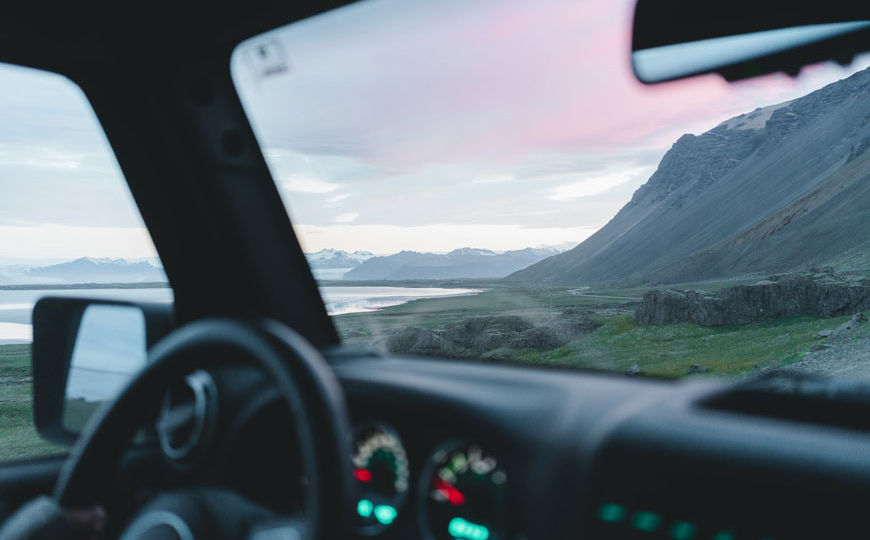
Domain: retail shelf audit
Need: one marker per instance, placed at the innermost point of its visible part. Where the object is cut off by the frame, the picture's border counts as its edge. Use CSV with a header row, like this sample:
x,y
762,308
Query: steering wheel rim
x,y
302,377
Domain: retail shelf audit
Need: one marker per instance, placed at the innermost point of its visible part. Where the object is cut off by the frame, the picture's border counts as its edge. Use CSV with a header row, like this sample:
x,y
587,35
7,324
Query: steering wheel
x,y
316,404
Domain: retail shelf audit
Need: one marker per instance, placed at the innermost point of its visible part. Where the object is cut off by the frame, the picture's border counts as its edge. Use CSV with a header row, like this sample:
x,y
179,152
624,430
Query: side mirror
x,y
738,39
84,351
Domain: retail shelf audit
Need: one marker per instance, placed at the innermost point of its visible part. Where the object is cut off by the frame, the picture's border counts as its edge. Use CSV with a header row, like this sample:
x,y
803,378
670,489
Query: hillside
x,y
782,188
459,263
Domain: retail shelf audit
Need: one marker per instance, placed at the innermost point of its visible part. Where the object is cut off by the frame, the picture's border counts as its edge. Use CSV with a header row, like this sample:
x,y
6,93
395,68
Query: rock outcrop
x,y
823,294
476,336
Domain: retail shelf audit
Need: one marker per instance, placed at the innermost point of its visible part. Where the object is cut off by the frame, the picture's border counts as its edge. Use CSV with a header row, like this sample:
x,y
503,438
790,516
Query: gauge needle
x,y
453,495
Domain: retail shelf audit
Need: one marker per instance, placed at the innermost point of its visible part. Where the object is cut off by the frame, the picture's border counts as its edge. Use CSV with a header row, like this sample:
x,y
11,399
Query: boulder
x,y
634,370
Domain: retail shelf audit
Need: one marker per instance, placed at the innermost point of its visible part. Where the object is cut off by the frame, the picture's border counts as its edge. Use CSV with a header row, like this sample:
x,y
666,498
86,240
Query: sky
x,y
392,125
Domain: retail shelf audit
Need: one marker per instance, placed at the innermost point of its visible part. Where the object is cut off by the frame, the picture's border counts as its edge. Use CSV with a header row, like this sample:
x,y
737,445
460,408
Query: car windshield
x,y
488,181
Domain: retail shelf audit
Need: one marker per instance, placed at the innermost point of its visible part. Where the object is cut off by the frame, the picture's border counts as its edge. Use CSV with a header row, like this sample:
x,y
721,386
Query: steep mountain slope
x,y
777,189
459,263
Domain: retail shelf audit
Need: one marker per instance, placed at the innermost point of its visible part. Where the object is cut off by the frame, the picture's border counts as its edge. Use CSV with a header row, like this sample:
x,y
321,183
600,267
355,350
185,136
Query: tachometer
x,y
380,467
464,495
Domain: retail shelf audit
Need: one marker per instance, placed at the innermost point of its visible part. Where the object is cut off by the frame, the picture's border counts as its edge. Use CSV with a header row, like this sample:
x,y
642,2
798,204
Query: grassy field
x,y
617,344
18,437
668,351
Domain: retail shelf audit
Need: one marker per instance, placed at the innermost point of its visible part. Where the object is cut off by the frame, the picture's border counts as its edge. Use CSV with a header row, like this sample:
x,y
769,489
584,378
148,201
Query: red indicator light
x,y
363,475
454,496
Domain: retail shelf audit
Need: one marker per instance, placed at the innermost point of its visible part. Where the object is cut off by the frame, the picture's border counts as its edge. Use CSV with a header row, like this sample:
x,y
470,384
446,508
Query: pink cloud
x,y
498,80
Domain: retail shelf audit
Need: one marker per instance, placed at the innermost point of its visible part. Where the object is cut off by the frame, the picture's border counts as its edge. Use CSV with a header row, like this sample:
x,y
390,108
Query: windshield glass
x,y
68,227
487,180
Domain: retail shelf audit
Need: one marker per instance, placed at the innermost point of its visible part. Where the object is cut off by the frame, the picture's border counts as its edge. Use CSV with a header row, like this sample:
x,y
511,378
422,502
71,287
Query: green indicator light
x,y
364,508
459,528
647,521
385,513
724,535
682,530
611,513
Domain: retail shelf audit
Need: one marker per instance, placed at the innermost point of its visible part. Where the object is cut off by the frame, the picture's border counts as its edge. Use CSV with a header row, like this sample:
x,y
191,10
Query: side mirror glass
x,y
84,352
109,348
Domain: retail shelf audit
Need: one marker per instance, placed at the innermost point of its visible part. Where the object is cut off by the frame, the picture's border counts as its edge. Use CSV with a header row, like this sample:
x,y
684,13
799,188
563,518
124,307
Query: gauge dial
x,y
464,497
380,468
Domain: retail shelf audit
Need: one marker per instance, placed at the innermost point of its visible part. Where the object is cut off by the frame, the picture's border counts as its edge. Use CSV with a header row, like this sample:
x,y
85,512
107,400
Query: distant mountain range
x,y
328,264
83,270
88,270
336,258
459,263
782,188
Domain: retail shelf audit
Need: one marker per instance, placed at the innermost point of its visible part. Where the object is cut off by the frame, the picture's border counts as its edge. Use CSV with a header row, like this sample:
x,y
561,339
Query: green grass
x,y
18,437
618,344
536,304
668,351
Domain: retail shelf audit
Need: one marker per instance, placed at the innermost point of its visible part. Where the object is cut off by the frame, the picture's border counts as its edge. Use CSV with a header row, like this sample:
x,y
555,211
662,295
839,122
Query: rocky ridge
x,y
777,190
823,293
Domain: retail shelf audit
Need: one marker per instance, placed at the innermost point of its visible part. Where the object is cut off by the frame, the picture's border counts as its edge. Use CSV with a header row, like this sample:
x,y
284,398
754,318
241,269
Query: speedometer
x,y
380,467
464,495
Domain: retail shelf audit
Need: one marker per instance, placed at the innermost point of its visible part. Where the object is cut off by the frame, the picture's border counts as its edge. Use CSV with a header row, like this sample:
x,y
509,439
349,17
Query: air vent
x,y
188,416
799,397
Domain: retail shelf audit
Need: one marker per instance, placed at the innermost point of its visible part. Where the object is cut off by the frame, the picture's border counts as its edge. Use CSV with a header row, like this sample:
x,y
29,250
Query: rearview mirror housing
x,y
84,351
739,39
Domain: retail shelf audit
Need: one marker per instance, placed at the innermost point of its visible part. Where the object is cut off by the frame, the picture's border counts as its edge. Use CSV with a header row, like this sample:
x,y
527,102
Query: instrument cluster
x,y
461,493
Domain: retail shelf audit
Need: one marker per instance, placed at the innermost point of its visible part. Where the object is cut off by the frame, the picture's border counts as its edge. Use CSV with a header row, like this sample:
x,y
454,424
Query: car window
x,y
68,226
488,181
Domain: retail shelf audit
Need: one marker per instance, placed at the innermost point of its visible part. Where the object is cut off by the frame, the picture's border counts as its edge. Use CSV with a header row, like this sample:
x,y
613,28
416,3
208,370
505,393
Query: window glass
x,y
68,226
488,181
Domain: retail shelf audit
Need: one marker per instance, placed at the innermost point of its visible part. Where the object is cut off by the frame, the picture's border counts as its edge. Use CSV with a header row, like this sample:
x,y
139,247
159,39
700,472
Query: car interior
x,y
247,414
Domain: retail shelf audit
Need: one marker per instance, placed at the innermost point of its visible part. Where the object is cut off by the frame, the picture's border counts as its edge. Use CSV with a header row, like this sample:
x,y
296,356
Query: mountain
x,y
459,263
336,258
782,188
88,270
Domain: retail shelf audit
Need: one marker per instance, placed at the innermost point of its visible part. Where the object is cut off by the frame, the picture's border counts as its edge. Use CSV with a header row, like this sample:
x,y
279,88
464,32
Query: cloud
x,y
68,242
497,179
303,184
335,199
36,156
346,218
595,185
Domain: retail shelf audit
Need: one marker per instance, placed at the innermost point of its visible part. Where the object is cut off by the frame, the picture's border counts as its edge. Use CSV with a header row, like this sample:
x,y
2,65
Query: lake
x,y
16,306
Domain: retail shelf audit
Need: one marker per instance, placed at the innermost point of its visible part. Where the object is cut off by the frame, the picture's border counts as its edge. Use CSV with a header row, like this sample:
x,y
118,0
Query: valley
x,y
591,329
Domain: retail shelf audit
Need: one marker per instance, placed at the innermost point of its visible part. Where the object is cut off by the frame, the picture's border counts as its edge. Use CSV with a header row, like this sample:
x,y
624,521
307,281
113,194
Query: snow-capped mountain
x,y
336,258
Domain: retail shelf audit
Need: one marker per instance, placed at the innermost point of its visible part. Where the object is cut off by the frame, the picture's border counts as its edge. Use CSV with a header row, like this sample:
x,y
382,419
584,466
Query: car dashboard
x,y
606,457
448,449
